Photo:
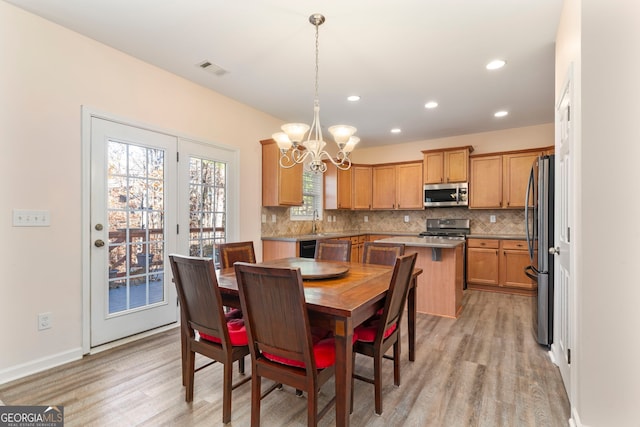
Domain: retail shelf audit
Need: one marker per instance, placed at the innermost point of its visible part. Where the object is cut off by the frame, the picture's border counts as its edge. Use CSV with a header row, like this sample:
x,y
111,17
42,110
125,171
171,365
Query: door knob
x,y
99,243
554,251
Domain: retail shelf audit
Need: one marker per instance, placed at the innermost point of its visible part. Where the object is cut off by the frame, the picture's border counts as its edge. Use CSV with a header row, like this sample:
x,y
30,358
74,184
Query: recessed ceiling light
x,y
353,98
431,104
396,130
495,64
501,113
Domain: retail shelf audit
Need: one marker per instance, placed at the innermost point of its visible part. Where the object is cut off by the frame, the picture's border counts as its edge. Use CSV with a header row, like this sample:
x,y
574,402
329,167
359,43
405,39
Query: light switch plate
x,y
31,218
492,218
366,218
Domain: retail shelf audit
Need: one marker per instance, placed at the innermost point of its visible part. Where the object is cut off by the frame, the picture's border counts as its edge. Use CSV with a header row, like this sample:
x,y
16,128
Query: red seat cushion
x,y
368,330
324,351
237,333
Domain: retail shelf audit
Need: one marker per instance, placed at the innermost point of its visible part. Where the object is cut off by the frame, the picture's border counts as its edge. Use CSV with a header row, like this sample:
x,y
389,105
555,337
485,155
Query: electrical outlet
x,y
273,217
366,218
44,321
406,218
334,218
492,218
264,218
31,218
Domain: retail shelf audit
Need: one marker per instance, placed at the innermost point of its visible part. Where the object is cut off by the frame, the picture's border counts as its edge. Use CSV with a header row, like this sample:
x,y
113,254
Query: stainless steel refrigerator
x,y
539,231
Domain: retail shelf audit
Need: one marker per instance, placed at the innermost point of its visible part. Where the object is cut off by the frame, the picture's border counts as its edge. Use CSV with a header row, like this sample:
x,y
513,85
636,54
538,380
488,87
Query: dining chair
x,y
333,250
230,253
205,328
381,253
236,251
282,345
377,334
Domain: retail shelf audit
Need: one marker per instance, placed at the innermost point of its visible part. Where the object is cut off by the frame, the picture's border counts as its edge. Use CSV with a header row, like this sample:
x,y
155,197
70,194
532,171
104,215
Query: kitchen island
x,y
439,288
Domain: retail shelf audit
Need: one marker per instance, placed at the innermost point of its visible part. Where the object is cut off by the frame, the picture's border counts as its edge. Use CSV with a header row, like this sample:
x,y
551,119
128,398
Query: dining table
x,y
339,297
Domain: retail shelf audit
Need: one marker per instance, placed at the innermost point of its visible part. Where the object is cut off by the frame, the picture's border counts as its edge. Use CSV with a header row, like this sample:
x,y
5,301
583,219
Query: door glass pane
x,y
207,206
135,206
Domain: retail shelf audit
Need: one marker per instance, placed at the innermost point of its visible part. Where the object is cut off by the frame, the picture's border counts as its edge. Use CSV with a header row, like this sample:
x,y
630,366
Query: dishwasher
x,y
307,248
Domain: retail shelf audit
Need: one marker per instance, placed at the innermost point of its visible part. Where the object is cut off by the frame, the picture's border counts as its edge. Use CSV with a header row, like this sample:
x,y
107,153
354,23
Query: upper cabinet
x,y
280,186
338,187
499,181
362,187
347,189
485,190
398,186
446,165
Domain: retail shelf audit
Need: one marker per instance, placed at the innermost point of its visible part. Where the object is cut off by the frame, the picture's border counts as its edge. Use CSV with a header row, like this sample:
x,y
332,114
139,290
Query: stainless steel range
x,y
447,228
456,229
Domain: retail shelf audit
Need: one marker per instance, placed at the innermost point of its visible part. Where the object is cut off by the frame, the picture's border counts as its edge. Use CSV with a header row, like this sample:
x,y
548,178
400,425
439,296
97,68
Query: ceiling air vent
x,y
212,68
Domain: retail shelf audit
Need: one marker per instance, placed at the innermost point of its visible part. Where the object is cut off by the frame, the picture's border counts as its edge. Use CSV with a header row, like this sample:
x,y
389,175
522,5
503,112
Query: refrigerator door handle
x,y
526,214
531,273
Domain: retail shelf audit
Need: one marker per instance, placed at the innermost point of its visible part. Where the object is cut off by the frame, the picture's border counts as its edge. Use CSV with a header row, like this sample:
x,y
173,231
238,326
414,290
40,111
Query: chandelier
x,y
311,152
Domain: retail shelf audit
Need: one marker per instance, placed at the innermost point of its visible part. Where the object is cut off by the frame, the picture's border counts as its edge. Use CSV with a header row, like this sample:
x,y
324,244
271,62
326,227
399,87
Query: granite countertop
x,y
427,242
412,237
497,236
332,235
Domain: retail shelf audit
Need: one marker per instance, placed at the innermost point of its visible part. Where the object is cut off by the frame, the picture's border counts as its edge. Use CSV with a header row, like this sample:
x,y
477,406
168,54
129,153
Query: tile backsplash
x,y
508,221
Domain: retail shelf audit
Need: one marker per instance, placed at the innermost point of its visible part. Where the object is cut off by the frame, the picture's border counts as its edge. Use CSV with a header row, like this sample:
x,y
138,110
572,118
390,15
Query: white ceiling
x,y
396,55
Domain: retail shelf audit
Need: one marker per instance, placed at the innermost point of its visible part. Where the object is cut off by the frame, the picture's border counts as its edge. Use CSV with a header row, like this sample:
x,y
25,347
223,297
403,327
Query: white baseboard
x,y
39,365
575,418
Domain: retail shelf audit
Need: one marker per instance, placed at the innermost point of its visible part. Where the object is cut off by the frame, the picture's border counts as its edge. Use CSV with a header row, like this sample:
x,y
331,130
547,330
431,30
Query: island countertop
x,y
426,242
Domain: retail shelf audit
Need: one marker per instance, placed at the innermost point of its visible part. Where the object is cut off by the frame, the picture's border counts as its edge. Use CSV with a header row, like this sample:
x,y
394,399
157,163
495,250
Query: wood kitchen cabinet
x,y
515,257
498,265
449,165
348,189
397,186
362,179
357,247
485,183
499,180
338,187
483,262
516,170
280,186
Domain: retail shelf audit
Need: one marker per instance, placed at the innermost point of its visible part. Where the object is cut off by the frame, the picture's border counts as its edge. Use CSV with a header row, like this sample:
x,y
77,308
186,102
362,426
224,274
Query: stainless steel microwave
x,y
443,195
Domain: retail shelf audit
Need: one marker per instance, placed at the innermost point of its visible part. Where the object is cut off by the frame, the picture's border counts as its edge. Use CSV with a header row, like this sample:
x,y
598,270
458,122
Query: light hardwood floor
x,y
483,369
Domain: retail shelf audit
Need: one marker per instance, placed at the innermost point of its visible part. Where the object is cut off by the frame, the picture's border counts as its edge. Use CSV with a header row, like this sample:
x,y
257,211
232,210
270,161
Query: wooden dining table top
x,y
341,295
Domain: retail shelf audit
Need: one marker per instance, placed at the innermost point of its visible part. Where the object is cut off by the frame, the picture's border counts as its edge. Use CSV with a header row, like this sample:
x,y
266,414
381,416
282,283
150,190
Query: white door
x,y
133,229
564,291
207,198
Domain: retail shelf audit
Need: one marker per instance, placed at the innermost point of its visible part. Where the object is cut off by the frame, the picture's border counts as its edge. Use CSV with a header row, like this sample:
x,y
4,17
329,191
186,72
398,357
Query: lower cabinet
x,y
498,265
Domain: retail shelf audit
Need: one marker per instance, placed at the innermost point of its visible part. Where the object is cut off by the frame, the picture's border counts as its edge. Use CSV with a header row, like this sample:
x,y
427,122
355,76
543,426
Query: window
x,y
311,198
207,206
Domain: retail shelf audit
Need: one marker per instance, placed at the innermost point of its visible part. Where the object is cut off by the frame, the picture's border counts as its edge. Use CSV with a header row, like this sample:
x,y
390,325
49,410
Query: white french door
x,y
132,218
207,198
564,287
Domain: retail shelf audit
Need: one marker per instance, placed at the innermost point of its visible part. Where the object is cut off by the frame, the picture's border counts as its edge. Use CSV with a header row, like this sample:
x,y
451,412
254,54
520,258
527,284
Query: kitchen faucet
x,y
314,225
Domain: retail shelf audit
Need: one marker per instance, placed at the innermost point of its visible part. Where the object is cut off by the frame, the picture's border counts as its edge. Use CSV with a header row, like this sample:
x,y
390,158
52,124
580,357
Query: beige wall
x,y
46,74
485,142
608,349
602,39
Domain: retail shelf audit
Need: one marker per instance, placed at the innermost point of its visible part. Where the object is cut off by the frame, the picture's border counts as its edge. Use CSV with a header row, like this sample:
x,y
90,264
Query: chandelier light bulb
x,y
295,131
